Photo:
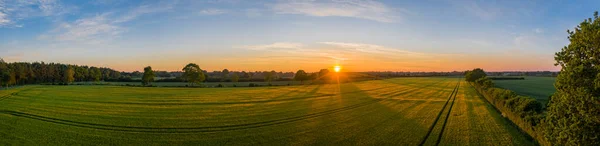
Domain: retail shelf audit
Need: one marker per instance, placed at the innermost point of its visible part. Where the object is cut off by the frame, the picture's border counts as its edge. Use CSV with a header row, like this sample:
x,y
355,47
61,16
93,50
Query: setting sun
x,y
337,68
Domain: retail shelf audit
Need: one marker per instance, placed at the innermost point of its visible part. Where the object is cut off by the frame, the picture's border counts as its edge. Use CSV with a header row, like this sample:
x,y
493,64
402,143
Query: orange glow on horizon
x,y
337,68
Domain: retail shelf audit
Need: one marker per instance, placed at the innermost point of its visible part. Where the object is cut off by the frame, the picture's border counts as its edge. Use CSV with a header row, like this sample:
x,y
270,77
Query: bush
x,y
220,86
524,111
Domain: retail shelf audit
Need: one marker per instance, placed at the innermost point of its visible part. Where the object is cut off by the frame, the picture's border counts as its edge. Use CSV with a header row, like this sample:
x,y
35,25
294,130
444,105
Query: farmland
x,y
539,88
399,111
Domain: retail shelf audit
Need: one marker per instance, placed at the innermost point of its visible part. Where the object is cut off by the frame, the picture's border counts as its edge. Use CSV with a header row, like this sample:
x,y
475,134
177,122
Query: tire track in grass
x,y
447,116
454,91
196,129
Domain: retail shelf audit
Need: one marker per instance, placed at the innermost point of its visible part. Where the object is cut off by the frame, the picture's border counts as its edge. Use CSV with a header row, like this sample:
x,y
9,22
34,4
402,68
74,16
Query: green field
x,y
209,84
537,87
400,111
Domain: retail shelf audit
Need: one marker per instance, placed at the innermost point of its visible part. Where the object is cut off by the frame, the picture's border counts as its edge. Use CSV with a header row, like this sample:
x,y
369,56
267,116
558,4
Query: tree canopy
x,y
323,73
301,75
574,110
474,75
69,75
193,74
39,72
148,77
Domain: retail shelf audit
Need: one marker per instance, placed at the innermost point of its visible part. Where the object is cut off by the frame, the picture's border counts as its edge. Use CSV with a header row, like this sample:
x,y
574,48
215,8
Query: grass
x,y
537,87
381,112
209,84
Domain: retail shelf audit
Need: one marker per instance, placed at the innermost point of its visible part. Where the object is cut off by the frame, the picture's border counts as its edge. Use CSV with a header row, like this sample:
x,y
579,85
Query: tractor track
x,y
198,129
447,116
452,96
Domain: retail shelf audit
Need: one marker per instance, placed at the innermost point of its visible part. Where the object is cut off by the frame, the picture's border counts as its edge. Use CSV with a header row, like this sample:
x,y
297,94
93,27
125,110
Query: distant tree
x,y
474,75
4,73
268,76
235,77
573,115
274,75
148,77
301,76
95,74
250,75
245,75
225,75
69,75
193,74
323,73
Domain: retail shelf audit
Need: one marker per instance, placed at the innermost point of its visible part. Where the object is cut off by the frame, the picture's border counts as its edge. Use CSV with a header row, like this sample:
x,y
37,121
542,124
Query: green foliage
x,y
148,77
193,74
225,74
369,112
574,110
235,78
524,111
475,74
69,75
301,76
323,73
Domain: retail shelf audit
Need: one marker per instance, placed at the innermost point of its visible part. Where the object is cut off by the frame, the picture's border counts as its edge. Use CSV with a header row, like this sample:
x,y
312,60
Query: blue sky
x,y
288,35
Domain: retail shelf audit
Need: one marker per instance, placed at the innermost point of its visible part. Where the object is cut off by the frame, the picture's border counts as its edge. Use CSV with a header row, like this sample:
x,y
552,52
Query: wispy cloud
x,y
369,48
371,10
212,11
144,9
538,30
87,29
278,45
4,19
101,27
11,12
478,10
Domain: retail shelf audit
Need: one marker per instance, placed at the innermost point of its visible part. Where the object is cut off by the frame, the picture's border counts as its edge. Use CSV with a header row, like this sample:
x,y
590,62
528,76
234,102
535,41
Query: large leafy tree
x,y
225,75
475,74
323,74
235,78
4,73
69,75
148,77
193,74
574,110
301,75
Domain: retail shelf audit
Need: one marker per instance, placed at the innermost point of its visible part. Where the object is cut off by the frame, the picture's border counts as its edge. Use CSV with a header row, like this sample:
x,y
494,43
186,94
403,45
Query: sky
x,y
287,35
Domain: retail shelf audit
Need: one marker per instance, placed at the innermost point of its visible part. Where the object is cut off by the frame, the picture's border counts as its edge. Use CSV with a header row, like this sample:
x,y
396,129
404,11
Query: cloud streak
x,y
212,11
278,45
102,27
11,12
370,10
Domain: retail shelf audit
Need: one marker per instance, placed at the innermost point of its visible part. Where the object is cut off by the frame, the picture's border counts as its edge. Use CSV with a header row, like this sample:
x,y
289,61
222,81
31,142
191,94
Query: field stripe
x,y
198,129
447,116
454,91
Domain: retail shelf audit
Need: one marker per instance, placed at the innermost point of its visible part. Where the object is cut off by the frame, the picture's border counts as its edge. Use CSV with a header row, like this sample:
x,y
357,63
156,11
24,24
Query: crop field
x,y
210,84
400,111
539,88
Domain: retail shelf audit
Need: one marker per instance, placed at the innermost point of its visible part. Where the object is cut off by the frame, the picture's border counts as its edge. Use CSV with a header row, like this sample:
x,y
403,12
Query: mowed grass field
x,y
400,111
537,87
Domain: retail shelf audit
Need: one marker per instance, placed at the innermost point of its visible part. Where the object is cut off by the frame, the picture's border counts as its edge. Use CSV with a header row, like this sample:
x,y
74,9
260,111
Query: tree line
x,y
20,73
572,115
194,75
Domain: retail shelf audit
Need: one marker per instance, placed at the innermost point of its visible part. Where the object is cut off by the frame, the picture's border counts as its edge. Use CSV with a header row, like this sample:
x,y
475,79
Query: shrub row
x,y
525,112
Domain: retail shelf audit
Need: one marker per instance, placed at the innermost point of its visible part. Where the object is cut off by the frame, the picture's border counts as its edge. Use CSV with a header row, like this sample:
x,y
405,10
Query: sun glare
x,y
337,68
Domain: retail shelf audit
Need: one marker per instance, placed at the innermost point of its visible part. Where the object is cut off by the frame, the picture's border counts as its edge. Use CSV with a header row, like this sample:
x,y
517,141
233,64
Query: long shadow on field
x,y
379,126
193,129
308,96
